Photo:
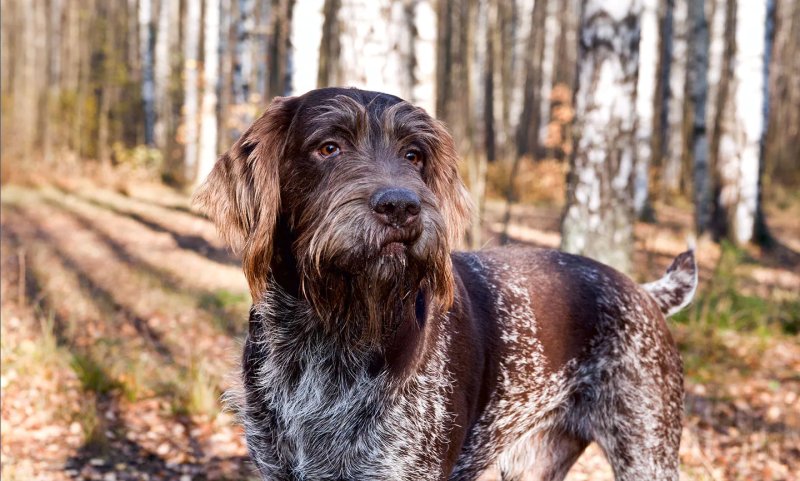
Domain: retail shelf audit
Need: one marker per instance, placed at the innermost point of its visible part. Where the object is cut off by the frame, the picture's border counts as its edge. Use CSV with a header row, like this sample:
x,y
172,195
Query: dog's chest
x,y
333,420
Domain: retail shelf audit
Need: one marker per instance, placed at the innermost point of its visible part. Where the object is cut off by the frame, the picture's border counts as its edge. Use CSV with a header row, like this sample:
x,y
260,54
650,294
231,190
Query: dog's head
x,y
360,184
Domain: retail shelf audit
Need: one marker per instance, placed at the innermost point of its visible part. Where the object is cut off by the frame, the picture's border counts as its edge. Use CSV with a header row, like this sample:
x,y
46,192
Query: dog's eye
x,y
328,150
413,156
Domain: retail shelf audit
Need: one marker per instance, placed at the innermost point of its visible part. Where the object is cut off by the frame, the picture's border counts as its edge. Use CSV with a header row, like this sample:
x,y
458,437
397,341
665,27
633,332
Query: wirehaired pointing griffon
x,y
376,353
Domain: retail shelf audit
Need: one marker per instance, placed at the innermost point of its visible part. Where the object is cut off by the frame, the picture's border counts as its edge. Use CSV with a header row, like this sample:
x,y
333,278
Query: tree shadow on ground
x,y
115,452
194,243
204,299
109,449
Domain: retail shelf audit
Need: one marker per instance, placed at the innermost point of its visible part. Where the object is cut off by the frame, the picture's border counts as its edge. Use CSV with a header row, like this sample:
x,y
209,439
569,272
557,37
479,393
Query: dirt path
x,y
122,317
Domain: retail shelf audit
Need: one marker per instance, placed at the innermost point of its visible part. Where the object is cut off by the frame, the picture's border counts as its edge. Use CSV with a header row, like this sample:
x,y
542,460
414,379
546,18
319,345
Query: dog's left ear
x,y
241,195
444,180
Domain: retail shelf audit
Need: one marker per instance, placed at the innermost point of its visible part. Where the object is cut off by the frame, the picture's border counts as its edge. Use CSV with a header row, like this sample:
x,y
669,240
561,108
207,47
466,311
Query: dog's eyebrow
x,y
408,124
340,116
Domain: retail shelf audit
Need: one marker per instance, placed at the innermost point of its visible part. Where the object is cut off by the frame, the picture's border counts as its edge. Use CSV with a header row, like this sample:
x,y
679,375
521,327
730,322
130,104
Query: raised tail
x,y
676,289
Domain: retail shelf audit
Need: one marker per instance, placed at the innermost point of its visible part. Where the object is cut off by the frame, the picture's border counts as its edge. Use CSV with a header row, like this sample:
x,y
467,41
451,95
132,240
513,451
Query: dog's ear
x,y
241,195
444,180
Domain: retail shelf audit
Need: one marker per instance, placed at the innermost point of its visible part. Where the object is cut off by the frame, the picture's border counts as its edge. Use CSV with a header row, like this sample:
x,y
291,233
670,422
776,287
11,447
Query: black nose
x,y
396,207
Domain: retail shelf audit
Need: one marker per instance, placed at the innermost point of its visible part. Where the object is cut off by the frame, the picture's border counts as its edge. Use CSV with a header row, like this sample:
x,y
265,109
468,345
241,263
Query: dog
x,y
375,353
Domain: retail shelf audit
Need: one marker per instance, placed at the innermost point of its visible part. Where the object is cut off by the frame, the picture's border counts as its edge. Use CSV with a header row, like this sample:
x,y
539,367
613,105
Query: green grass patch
x,y
195,393
92,376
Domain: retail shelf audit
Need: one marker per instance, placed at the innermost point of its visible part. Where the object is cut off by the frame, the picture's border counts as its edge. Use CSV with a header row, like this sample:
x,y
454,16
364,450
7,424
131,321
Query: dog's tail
x,y
676,289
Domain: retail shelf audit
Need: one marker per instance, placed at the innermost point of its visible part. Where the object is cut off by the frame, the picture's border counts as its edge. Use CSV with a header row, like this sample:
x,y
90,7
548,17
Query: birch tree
x,y
165,50
720,49
548,67
645,100
423,60
306,36
743,123
208,110
598,220
278,48
148,83
191,46
697,86
375,47
673,132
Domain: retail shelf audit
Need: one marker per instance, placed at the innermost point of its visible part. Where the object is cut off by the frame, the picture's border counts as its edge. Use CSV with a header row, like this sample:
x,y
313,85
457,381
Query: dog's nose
x,y
396,207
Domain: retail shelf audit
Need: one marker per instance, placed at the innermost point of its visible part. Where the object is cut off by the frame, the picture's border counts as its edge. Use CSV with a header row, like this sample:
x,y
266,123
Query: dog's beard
x,y
362,278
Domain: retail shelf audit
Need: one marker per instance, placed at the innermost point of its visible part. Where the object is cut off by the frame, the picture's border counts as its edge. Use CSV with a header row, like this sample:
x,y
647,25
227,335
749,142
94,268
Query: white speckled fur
x,y
336,421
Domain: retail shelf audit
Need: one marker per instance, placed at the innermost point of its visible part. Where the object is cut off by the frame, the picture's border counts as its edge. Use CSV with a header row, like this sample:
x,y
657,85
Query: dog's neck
x,y
402,319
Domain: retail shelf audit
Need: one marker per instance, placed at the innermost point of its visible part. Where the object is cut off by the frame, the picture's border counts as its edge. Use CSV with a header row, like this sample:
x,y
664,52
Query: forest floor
x,y
123,315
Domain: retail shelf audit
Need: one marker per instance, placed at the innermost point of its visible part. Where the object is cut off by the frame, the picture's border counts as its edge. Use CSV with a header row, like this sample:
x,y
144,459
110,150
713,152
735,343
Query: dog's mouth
x,y
398,242
394,249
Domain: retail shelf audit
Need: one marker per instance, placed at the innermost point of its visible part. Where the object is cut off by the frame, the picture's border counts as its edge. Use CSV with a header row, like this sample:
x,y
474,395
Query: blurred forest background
x,y
614,129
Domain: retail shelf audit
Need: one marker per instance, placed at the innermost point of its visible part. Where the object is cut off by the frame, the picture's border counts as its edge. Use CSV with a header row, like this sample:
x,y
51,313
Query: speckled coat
x,y
374,353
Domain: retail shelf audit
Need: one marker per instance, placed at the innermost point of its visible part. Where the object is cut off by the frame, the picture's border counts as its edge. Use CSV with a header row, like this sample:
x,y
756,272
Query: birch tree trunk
x,y
243,52
278,45
227,44
423,91
165,51
743,123
191,46
697,86
208,110
715,12
375,46
329,47
548,67
674,127
146,54
52,132
645,101
599,216
479,69
306,35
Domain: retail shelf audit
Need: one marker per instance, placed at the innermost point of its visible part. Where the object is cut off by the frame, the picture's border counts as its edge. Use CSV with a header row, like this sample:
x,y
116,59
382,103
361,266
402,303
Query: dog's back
x,y
581,353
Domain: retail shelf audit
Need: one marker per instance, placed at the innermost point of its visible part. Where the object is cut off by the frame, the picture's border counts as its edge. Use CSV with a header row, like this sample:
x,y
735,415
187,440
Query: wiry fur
x,y
373,353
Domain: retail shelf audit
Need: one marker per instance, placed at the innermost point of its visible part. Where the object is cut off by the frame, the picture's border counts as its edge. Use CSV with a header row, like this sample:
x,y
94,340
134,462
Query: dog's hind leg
x,y
547,456
639,431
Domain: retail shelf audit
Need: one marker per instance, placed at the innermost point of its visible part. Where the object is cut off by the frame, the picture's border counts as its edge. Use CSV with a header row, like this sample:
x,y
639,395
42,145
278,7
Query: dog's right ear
x,y
241,195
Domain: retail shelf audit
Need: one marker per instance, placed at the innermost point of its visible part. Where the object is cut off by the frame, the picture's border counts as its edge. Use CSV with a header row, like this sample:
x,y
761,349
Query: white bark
x,y
598,221
306,34
521,54
373,55
190,87
744,121
208,110
146,54
697,79
166,41
674,140
243,53
477,57
645,101
423,93
550,35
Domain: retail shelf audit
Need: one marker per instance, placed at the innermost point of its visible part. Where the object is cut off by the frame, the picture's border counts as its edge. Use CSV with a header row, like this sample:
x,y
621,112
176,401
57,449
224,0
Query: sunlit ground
x,y
122,316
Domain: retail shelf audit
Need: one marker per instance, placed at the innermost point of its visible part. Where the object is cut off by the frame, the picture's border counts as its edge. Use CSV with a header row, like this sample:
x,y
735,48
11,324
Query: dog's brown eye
x,y
329,149
413,156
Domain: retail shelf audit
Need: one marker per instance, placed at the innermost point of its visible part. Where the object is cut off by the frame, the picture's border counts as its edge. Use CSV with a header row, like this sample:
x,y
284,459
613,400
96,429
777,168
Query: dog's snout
x,y
396,207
